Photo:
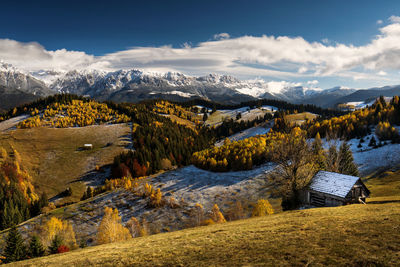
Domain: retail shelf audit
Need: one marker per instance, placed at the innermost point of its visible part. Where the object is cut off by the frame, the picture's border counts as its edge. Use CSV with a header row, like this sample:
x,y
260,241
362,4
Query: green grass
x,y
52,158
354,235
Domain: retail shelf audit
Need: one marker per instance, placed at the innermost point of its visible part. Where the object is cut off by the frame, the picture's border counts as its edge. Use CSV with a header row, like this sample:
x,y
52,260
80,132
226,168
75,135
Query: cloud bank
x,y
280,57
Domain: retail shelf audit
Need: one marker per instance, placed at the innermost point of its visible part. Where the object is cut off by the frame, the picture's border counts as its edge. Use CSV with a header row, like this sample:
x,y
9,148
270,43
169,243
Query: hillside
x,y
53,158
356,235
166,137
10,98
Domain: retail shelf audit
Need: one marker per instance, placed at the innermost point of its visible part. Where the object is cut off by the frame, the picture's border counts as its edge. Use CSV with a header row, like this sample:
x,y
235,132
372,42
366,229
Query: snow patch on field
x,y
371,159
195,185
247,114
12,123
254,131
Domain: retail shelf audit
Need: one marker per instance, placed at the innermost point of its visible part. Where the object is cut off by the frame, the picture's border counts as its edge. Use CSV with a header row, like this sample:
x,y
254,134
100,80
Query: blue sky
x,y
179,35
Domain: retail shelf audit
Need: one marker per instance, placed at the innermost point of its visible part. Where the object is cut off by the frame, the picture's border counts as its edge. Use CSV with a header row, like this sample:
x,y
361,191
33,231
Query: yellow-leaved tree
x,y
135,228
110,228
216,215
262,208
62,229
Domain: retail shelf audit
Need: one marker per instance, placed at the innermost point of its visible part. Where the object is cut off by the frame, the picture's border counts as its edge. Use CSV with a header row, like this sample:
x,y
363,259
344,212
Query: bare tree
x,y
296,167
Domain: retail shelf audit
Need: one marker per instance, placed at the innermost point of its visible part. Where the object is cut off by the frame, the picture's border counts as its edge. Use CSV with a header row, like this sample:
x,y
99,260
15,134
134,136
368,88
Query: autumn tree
x,y
262,208
156,199
216,215
197,215
136,228
235,211
62,229
110,228
295,169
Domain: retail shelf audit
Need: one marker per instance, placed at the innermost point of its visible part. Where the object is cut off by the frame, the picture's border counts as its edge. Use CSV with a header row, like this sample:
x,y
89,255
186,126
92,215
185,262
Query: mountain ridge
x,y
135,85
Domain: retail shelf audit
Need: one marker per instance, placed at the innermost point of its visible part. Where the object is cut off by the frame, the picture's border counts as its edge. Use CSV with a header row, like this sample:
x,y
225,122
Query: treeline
x,y
18,199
239,155
360,122
159,143
253,151
279,104
77,113
230,127
41,104
186,113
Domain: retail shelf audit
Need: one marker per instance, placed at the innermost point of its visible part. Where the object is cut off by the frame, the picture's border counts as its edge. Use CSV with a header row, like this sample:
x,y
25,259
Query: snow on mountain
x,y
13,78
134,85
47,76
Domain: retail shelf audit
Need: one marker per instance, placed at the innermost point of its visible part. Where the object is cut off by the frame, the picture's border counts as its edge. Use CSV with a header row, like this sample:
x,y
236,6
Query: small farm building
x,y
328,189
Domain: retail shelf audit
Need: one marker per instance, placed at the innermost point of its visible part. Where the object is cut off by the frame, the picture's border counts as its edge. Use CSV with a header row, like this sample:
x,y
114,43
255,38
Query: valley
x,y
200,133
119,169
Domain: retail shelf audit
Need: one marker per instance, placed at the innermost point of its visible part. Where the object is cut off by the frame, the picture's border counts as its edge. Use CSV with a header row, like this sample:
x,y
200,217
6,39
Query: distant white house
x,y
87,146
328,189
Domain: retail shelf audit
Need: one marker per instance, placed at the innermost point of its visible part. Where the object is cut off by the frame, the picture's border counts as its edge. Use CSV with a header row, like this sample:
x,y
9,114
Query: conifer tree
x,y
15,249
346,162
36,248
318,151
55,244
332,159
372,142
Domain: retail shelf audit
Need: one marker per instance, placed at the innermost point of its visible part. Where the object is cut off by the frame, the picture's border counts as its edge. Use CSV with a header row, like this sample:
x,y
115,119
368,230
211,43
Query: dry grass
x,y
384,186
299,118
52,155
355,235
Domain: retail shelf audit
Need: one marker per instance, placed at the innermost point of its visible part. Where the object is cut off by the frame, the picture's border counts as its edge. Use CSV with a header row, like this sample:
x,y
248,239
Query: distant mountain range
x,y
17,87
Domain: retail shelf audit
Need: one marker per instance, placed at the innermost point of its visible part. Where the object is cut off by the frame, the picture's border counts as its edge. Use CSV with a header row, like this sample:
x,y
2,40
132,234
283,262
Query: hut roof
x,y
333,183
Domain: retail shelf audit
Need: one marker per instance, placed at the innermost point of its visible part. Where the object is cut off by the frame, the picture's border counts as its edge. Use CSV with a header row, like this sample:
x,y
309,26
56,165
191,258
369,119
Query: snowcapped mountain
x,y
11,77
18,87
135,85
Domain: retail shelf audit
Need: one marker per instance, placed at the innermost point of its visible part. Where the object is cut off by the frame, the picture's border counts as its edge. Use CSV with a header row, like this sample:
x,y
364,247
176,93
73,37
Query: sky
x,y
314,43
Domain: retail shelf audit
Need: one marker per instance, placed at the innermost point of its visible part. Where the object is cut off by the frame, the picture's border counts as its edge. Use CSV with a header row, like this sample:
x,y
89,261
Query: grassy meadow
x,y
354,235
53,156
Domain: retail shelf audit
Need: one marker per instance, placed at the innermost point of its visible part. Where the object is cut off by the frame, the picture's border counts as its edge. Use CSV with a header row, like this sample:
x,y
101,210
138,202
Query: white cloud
x,y
280,57
394,19
379,21
325,41
302,69
313,82
221,36
33,56
382,73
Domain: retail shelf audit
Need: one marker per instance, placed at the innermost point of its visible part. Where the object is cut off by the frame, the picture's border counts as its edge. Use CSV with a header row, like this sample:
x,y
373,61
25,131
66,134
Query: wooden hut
x,y
328,189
